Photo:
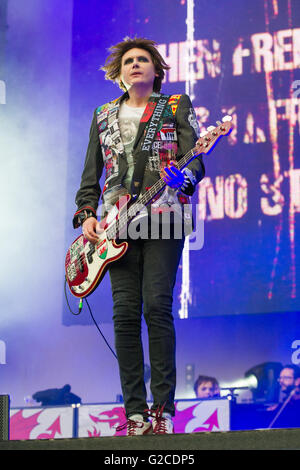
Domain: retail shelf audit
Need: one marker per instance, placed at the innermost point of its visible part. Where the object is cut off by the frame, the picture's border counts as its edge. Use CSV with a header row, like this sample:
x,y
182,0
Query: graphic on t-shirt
x,y
129,121
128,129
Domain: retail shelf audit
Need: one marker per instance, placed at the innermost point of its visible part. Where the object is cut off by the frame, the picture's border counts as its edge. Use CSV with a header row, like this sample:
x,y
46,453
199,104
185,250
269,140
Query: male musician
x,y
137,139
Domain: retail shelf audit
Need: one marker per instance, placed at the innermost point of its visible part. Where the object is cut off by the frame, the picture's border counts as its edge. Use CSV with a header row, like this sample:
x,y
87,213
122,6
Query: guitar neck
x,y
204,145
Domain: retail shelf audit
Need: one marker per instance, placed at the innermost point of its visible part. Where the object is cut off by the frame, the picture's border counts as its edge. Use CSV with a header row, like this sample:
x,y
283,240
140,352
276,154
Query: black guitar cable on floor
x,y
92,316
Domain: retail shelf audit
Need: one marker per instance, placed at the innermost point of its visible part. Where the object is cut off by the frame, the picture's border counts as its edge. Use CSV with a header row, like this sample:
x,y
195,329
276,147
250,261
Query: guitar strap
x,y
157,105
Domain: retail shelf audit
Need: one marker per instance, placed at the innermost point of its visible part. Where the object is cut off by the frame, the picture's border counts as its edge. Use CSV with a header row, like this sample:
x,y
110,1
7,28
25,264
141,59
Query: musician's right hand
x,y
91,229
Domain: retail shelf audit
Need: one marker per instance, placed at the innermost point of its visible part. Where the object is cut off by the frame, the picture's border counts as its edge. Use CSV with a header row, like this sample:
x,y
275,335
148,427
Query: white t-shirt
x,y
129,121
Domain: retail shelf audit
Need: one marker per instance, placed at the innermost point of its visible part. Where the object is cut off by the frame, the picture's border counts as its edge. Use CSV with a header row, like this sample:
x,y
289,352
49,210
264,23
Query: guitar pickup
x,y
81,262
90,253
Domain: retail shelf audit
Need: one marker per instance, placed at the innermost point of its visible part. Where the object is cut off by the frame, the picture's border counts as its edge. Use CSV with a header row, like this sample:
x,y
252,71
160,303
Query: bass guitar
x,y
86,263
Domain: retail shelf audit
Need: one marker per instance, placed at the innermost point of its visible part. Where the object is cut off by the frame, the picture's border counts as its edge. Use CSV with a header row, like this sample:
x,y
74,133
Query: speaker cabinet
x,y
4,417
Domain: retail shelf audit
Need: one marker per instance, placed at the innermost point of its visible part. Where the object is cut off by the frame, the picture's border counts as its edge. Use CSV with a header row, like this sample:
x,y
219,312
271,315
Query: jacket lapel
x,y
146,117
113,123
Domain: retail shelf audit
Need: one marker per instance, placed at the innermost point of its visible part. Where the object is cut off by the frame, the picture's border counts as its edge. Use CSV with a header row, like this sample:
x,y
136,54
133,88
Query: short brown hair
x,y
113,62
203,379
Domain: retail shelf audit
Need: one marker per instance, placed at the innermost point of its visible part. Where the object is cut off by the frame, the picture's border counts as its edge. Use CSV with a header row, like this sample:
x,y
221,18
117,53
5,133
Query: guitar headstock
x,y
210,137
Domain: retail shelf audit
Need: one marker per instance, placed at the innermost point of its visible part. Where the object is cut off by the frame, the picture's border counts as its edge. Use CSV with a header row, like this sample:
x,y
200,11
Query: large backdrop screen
x,y
236,58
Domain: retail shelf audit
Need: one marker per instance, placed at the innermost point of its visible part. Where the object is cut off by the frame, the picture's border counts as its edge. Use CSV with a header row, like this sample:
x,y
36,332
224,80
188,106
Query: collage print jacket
x,y
176,134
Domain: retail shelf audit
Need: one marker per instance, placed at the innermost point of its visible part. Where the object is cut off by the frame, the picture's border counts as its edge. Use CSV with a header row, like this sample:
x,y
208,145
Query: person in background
x,y
286,414
296,395
289,376
287,381
206,387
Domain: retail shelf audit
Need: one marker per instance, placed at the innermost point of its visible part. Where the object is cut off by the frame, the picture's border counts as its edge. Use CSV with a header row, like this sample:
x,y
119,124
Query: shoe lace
x,y
131,426
161,421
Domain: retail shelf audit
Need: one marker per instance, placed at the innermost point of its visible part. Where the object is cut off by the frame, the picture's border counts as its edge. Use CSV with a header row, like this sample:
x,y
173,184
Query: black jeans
x,y
144,280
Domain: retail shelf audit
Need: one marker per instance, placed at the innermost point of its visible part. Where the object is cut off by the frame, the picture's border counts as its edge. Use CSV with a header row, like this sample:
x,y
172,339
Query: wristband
x,y
189,180
85,215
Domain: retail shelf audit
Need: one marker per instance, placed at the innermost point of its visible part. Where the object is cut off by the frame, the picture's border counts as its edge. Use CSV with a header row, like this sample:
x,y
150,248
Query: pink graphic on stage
x,y
101,420
41,423
182,418
190,416
112,417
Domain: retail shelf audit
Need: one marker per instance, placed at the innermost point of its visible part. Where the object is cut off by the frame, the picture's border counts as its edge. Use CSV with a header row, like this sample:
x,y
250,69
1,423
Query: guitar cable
x,y
91,314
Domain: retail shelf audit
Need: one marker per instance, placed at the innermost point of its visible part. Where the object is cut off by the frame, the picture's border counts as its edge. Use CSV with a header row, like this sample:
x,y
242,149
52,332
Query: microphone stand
x,y
282,407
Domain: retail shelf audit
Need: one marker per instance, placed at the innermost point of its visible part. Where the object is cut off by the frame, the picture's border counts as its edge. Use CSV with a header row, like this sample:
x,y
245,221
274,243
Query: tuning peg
x,y
203,133
219,123
227,118
210,128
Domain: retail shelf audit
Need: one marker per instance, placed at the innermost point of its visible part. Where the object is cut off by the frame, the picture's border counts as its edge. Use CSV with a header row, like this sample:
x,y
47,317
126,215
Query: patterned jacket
x,y
177,133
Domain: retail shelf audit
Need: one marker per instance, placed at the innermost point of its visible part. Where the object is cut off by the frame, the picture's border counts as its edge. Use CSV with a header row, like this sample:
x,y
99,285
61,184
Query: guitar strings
x,y
145,199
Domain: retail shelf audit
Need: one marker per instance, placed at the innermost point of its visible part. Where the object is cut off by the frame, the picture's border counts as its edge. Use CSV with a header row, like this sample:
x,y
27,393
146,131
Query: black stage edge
x,y
4,417
267,439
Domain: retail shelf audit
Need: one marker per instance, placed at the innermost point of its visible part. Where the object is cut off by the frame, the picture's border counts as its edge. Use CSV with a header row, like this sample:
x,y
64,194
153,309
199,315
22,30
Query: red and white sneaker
x,y
162,422
136,426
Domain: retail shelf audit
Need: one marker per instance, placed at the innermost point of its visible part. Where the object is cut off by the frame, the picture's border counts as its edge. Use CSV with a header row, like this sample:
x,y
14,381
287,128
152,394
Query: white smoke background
x,y
40,352
33,151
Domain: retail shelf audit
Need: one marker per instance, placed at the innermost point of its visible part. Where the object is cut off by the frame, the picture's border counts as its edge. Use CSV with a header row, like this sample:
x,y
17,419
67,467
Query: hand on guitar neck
x,y
172,176
91,229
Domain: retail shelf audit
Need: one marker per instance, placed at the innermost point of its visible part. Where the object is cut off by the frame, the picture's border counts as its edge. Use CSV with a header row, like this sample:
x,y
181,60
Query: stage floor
x,y
272,439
